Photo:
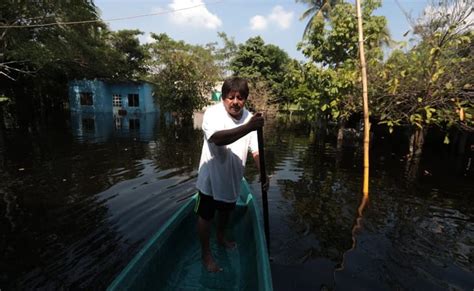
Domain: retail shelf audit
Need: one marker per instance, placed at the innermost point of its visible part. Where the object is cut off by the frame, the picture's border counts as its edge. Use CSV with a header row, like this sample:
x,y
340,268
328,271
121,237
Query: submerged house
x,y
101,109
111,96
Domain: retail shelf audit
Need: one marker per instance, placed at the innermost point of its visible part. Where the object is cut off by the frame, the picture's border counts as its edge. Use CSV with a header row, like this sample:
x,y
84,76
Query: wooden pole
x,y
365,99
263,180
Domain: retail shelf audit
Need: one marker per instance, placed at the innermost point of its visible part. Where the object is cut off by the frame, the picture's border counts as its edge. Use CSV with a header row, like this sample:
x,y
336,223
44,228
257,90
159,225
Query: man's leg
x,y
205,210
204,232
223,220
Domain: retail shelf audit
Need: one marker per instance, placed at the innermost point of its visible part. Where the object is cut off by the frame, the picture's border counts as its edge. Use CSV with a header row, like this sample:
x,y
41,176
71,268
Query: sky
x,y
198,21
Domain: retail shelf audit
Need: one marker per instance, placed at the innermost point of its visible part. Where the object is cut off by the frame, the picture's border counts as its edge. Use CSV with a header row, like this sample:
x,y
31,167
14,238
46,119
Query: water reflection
x,y
72,212
357,226
322,207
74,209
326,234
101,127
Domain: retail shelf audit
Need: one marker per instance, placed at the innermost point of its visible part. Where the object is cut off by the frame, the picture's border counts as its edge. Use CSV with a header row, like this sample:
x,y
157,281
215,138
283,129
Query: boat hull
x,y
171,259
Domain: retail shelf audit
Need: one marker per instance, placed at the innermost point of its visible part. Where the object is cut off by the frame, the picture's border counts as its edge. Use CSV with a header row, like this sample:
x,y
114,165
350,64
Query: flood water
x,y
78,201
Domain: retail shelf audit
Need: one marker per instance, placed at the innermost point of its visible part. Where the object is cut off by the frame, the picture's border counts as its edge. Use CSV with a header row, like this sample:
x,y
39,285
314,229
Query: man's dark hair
x,y
235,84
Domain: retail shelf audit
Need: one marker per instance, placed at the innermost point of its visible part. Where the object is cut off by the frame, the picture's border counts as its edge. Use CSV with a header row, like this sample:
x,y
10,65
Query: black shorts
x,y
206,206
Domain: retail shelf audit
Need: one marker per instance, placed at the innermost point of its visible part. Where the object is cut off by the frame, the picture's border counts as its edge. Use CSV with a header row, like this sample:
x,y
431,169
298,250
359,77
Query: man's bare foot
x,y
210,264
228,244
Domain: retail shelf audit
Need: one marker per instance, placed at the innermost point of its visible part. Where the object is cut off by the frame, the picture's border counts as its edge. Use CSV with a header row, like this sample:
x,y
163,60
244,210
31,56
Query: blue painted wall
x,y
99,92
103,91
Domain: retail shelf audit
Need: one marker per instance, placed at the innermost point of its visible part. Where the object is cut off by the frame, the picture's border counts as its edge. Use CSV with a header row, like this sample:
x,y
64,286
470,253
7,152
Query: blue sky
x,y
276,21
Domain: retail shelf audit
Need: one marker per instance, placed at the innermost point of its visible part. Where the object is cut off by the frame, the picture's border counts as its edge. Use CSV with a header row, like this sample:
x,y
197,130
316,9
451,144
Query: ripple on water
x,y
77,212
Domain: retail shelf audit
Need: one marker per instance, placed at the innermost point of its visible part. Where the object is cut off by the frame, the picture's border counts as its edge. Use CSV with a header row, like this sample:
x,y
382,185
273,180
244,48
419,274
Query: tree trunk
x,y
461,146
24,109
453,146
412,170
340,134
340,142
321,130
2,129
417,140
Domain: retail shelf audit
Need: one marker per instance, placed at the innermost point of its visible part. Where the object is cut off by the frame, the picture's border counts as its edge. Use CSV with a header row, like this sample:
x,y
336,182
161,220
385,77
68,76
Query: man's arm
x,y
256,158
228,136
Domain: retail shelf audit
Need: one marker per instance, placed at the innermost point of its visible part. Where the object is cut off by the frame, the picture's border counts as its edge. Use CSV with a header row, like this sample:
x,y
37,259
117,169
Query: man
x,y
229,133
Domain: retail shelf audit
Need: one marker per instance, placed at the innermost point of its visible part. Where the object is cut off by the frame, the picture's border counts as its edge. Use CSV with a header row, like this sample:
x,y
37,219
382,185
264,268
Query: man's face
x,y
234,104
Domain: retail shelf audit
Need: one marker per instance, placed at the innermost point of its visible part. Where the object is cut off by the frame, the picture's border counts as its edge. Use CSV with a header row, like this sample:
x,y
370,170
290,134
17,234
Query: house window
x,y
117,100
86,98
134,123
133,100
118,122
88,124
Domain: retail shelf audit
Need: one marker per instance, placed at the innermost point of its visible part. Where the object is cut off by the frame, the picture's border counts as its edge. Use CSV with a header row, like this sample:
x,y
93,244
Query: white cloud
x,y
281,17
146,38
258,22
196,16
278,16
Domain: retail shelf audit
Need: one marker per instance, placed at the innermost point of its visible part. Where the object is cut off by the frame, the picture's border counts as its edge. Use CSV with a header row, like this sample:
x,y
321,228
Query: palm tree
x,y
317,9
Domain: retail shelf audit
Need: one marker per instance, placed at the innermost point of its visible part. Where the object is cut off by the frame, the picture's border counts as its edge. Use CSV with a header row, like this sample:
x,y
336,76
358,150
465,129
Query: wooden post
x,y
365,99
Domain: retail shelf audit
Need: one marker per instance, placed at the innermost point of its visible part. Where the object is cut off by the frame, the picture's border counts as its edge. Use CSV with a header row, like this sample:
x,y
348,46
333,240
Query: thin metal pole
x,y
263,180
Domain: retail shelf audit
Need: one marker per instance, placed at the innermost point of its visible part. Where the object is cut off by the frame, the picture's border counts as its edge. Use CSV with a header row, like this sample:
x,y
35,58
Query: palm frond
x,y
309,12
317,9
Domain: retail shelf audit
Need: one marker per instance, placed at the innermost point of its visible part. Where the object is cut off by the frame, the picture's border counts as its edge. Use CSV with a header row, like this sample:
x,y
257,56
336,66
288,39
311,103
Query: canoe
x,y
171,259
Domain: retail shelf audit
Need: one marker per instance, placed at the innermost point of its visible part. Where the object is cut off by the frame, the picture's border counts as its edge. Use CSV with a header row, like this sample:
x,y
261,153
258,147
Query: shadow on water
x,y
76,205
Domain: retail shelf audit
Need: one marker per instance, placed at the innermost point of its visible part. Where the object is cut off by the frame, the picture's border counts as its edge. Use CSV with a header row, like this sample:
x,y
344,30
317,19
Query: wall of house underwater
x,y
100,126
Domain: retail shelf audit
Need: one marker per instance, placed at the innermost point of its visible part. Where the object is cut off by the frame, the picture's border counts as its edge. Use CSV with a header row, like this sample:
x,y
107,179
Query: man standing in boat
x,y
229,133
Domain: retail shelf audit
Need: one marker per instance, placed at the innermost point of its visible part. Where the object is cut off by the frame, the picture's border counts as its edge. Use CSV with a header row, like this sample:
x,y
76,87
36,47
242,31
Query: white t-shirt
x,y
222,167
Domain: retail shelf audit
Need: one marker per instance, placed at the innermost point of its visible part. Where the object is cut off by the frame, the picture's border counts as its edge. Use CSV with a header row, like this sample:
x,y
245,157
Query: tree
x,y
295,87
317,10
182,73
332,70
46,44
260,62
426,86
128,54
225,54
40,53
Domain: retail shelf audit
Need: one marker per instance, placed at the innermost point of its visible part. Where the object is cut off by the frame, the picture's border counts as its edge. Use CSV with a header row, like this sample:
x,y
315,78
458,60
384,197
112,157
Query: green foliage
x,y
127,54
66,48
4,99
332,75
182,73
430,84
256,60
39,58
37,62
317,10
331,90
225,54
295,87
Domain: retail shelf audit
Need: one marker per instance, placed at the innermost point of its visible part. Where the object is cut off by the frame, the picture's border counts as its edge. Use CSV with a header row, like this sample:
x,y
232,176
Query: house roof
x,y
115,81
